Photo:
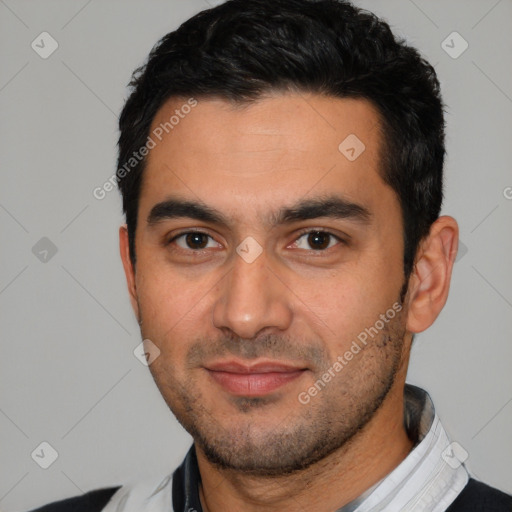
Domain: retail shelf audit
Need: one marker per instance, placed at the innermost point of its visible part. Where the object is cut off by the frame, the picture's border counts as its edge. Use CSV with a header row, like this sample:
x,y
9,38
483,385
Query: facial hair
x,y
310,432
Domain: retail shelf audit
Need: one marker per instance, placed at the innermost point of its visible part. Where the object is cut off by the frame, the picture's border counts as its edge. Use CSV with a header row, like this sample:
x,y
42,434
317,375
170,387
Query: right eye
x,y
194,240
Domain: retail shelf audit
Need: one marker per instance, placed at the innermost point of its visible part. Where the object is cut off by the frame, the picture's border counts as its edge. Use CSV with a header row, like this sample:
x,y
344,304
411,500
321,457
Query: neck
x,y
325,486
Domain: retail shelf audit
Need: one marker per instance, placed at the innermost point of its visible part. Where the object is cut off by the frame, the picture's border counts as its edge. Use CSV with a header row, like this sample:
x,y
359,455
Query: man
x,y
281,171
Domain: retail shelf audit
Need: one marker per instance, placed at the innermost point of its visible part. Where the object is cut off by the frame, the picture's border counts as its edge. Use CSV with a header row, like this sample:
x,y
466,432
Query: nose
x,y
252,299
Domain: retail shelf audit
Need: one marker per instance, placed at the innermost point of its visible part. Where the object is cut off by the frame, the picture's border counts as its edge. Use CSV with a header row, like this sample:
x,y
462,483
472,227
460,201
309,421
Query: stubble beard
x,y
310,432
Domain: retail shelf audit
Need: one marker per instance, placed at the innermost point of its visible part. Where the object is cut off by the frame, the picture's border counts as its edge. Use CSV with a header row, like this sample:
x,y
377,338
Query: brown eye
x,y
316,240
319,240
194,240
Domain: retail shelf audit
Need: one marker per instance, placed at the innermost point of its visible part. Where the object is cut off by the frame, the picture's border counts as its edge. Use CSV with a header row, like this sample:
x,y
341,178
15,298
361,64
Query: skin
x,y
295,303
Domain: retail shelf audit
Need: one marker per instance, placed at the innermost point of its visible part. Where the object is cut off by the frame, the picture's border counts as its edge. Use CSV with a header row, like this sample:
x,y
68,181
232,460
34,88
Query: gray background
x,y
68,373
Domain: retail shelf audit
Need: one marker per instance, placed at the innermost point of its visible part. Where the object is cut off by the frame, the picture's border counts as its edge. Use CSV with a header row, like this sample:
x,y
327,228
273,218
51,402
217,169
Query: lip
x,y
256,379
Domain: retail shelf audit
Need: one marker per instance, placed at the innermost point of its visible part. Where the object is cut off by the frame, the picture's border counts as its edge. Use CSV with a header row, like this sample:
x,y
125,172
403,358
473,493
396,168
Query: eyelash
x,y
301,234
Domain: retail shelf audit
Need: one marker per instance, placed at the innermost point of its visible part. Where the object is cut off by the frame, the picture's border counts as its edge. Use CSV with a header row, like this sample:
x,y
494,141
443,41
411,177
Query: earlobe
x,y
129,270
430,281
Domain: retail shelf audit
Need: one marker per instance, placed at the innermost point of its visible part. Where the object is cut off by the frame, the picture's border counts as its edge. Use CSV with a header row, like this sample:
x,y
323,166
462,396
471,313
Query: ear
x,y
129,269
430,280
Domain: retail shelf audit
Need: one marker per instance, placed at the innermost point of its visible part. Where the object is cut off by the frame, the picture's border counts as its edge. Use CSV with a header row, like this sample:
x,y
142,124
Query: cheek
x,y
162,301
348,302
173,309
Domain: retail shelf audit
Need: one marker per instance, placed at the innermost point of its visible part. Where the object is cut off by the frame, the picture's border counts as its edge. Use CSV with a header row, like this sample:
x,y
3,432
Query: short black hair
x,y
243,49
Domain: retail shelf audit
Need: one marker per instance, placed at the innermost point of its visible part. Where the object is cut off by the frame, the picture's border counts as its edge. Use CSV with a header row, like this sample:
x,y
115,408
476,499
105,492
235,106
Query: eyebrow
x,y
178,208
333,206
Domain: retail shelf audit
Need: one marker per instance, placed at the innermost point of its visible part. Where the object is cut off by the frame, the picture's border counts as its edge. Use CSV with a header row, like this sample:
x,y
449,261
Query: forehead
x,y
273,150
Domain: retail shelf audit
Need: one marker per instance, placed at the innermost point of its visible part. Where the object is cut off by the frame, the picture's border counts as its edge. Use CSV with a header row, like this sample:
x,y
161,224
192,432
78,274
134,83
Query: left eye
x,y
195,240
317,240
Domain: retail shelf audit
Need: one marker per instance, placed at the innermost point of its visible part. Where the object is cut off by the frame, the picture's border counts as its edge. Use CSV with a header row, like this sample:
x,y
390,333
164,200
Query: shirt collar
x,y
427,480
431,476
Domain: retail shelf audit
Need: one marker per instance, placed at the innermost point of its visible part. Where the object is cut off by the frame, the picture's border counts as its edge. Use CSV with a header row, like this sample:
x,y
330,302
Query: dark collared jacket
x,y
475,497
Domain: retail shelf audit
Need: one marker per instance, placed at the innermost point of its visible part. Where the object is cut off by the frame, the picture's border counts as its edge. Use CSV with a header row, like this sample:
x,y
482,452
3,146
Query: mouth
x,y
252,380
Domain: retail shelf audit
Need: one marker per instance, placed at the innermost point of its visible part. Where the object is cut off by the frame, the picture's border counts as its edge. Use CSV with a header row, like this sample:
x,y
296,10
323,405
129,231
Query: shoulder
x,y
477,496
151,493
93,501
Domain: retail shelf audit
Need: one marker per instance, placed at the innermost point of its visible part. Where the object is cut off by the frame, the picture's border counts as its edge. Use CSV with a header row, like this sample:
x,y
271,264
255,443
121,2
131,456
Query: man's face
x,y
251,306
